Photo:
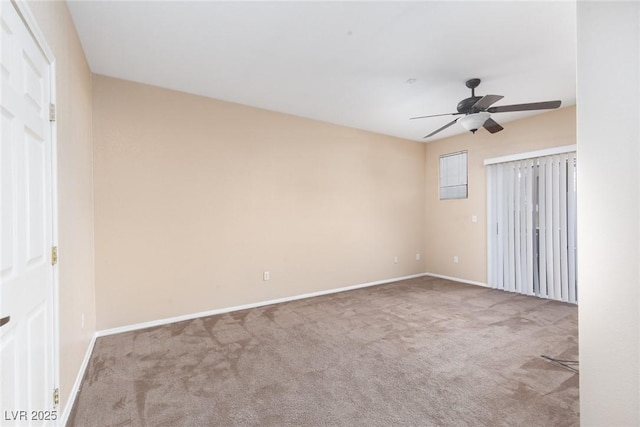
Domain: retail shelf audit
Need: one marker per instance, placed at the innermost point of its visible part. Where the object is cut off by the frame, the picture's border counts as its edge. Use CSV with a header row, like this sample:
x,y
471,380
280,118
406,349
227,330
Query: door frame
x,y
30,22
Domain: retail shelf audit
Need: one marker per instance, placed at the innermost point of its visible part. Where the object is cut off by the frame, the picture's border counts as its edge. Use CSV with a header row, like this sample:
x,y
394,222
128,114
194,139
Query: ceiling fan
x,y
477,110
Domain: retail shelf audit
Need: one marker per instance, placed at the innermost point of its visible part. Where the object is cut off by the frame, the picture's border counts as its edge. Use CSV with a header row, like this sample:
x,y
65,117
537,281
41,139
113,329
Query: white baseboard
x,y
152,323
64,417
456,279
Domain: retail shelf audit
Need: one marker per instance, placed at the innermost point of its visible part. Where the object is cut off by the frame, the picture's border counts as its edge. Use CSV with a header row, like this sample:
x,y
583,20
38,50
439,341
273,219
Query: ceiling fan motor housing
x,y
465,106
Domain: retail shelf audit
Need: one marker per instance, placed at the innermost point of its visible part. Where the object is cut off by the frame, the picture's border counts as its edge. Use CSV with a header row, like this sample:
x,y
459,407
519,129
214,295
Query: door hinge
x,y
56,396
52,112
54,255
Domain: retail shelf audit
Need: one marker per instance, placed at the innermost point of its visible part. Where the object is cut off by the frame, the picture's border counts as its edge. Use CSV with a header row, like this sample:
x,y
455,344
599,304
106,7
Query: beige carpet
x,y
422,352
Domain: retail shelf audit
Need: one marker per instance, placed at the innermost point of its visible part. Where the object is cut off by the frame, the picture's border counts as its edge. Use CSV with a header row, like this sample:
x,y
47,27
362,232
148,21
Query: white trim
x,y
457,279
54,227
168,320
531,154
32,25
64,417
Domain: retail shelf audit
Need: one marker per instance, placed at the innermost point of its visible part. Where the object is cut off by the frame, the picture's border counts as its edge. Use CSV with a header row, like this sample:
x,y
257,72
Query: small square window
x,y
453,176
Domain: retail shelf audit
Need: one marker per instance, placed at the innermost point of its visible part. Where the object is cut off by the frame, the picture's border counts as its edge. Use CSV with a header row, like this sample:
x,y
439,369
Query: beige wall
x,y
449,231
609,212
75,192
195,198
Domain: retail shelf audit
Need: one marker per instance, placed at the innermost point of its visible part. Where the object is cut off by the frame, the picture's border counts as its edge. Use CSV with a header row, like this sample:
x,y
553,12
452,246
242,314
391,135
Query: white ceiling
x,y
341,62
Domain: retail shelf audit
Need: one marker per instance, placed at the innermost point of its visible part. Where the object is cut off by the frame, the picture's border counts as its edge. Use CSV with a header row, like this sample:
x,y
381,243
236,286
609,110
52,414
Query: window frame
x,y
453,181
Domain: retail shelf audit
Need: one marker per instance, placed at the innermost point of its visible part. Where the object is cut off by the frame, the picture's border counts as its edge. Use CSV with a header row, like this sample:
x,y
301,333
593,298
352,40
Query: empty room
x,y
320,213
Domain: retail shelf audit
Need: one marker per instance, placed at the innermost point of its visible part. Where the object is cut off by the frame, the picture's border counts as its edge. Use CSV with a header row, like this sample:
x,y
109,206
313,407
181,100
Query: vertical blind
x,y
532,226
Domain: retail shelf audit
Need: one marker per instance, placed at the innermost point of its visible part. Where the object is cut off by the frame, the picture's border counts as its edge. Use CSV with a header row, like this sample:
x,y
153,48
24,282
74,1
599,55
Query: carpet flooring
x,y
420,352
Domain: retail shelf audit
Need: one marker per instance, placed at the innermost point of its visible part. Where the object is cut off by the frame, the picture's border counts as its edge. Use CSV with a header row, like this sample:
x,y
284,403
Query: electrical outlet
x,y
474,218
266,276
395,259
456,259
417,257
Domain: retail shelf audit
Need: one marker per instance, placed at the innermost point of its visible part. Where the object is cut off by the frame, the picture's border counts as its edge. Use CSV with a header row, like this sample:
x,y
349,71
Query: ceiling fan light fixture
x,y
473,122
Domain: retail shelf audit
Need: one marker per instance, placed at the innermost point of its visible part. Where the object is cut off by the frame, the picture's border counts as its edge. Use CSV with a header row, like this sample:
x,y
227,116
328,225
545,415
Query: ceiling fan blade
x,y
484,102
548,105
442,128
492,126
434,115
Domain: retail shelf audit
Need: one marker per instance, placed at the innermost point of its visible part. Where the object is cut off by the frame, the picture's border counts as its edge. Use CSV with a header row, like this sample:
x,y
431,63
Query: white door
x,y
27,359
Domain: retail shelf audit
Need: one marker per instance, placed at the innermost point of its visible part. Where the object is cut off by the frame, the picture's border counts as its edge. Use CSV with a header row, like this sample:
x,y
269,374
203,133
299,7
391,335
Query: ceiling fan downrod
x,y
473,84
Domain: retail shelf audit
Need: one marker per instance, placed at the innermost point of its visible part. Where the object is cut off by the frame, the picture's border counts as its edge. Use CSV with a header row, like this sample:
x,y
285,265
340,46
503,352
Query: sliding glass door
x,y
532,226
